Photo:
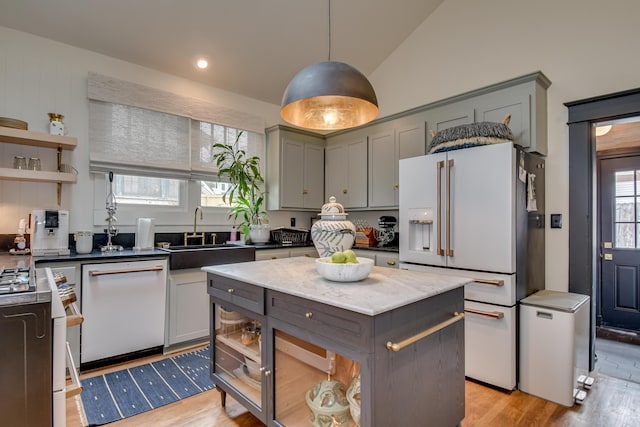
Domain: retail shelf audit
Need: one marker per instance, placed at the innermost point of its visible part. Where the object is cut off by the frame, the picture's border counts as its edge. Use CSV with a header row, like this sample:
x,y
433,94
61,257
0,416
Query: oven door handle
x,y
95,273
76,386
491,314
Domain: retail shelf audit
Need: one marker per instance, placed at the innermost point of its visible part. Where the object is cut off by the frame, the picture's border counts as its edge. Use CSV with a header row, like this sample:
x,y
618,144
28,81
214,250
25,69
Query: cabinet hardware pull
x,y
396,186
267,373
262,369
491,314
307,255
449,167
489,282
231,290
391,262
95,273
344,191
305,191
308,315
440,165
404,343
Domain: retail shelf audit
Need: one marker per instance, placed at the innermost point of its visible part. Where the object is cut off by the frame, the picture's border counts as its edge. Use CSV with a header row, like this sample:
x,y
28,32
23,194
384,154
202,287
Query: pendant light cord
x,y
329,30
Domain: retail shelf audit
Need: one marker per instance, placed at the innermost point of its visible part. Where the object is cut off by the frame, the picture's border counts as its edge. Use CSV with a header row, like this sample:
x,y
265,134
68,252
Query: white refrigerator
x,y
479,213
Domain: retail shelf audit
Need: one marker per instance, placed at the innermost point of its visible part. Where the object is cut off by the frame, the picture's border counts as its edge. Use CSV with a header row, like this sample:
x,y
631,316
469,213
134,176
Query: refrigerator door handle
x,y
440,250
449,167
491,314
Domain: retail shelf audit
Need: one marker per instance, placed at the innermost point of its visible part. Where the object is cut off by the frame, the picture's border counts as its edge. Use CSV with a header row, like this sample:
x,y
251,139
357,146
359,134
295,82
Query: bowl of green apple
x,y
344,266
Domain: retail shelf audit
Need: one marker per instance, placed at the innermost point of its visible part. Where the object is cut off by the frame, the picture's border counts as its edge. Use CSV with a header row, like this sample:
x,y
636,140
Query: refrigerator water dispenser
x,y
420,228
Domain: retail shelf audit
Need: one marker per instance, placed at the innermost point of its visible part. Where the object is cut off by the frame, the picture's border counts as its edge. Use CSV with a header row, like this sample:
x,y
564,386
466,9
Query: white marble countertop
x,y
385,289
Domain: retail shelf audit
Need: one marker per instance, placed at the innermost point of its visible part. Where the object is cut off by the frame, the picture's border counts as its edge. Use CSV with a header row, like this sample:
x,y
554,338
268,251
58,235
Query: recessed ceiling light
x,y
202,63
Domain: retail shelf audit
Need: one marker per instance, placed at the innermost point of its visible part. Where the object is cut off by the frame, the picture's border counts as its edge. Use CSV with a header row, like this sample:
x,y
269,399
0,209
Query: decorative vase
x,y
353,396
333,232
328,404
259,233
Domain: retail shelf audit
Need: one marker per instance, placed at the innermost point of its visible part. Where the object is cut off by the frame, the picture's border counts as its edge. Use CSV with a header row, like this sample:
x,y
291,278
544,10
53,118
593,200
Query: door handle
x,y
130,270
449,167
440,250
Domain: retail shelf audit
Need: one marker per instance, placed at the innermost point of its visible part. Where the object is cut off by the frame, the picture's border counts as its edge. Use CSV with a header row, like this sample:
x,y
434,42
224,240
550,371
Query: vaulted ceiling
x,y
254,47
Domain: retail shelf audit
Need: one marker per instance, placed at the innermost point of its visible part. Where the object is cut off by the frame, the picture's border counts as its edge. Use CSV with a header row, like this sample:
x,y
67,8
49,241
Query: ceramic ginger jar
x,y
333,232
328,404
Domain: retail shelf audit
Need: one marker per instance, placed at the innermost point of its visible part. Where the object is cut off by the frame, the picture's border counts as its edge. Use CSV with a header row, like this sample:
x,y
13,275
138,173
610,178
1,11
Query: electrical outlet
x,y
556,220
293,222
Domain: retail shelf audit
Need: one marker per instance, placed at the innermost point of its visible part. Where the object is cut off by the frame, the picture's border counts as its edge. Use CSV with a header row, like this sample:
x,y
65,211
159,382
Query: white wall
x,y
38,76
586,47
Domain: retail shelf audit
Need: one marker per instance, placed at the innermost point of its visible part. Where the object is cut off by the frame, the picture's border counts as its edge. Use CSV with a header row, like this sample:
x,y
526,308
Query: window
x,y
204,136
144,190
627,215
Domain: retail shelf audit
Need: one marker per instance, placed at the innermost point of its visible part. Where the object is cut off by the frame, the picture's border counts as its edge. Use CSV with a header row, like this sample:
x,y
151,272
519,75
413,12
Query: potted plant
x,y
245,195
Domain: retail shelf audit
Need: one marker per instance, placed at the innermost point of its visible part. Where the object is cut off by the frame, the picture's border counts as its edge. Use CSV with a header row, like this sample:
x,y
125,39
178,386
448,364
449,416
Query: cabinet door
x,y
446,116
188,306
346,172
494,107
238,358
271,254
292,172
389,260
383,165
410,133
313,178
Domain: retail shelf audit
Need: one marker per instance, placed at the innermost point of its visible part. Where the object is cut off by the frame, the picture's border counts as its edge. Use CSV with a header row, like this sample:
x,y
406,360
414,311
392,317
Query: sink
x,y
195,247
196,256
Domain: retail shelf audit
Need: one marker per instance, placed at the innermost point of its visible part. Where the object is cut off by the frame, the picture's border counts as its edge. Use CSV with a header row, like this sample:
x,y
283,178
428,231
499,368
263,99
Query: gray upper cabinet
x,y
526,102
346,170
394,140
295,169
524,98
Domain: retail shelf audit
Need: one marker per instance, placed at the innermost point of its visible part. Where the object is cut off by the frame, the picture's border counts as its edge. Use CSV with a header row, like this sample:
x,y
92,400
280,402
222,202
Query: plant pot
x,y
259,233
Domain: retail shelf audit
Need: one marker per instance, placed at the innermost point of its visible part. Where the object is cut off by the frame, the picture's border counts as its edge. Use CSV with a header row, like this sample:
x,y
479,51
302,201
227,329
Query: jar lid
x,y
332,208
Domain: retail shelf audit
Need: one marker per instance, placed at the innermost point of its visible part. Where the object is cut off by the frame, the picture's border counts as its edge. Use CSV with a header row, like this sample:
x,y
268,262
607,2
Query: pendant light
x,y
329,95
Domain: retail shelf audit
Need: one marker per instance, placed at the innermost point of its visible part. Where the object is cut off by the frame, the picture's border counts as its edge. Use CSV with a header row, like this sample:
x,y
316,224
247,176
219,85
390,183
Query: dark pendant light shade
x,y
329,95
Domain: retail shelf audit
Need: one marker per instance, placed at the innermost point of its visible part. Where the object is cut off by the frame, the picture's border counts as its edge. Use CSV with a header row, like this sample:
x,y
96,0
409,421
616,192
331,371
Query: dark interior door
x,y
620,243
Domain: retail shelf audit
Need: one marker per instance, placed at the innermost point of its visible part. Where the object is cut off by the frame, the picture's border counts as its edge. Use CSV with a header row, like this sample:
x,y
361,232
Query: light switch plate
x,y
556,220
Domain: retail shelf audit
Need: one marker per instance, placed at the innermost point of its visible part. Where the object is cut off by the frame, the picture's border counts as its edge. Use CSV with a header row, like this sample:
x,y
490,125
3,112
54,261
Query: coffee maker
x,y
49,232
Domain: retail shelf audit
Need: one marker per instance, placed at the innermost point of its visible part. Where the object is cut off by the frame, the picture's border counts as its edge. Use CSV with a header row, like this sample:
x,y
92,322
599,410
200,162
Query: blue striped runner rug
x,y
111,397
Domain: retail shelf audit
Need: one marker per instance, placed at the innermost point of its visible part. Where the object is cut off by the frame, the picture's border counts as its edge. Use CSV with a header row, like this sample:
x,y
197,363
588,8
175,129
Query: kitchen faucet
x,y
194,235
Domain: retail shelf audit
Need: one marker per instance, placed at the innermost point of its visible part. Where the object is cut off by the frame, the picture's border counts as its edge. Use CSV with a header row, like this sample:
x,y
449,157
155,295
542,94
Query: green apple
x,y
350,256
338,258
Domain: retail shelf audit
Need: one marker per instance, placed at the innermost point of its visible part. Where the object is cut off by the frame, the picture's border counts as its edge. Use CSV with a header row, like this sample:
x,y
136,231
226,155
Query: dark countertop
x,y
382,249
98,255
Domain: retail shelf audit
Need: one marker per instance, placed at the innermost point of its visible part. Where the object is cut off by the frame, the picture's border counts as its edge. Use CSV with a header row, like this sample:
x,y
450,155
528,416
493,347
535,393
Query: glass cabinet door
x,y
313,386
237,354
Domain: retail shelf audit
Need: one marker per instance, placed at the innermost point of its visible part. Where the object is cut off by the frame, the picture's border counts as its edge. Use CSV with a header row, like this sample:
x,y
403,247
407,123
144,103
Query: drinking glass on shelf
x,y
34,164
19,162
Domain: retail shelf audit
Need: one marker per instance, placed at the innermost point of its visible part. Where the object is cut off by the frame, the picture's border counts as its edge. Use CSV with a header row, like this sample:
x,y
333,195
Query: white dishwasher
x,y
123,304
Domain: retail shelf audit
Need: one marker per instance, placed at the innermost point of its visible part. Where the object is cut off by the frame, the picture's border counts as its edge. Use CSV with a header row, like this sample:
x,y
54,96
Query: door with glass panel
x,y
620,242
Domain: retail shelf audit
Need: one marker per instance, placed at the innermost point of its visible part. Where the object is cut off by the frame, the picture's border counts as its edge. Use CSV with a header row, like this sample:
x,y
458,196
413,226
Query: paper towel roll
x,y
145,233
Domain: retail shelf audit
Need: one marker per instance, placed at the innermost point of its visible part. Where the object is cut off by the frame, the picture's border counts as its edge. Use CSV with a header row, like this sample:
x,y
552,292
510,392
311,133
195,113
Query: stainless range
x,y
15,280
28,347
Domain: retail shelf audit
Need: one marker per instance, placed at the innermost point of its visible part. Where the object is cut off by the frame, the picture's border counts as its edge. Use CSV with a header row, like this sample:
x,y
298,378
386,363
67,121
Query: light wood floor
x,y
611,402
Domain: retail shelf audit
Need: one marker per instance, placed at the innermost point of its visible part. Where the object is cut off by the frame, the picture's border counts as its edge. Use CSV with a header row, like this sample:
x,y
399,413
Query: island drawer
x,y
235,292
337,324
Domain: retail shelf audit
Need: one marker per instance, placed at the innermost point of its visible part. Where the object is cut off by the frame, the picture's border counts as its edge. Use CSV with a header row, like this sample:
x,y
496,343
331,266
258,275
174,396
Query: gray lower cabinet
x,y
270,348
188,307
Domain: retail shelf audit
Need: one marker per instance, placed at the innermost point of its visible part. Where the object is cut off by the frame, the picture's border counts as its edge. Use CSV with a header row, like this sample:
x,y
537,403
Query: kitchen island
x,y
279,328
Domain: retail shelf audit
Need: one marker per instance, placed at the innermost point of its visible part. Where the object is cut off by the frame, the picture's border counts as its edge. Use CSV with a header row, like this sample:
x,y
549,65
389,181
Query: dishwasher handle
x,y
95,273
